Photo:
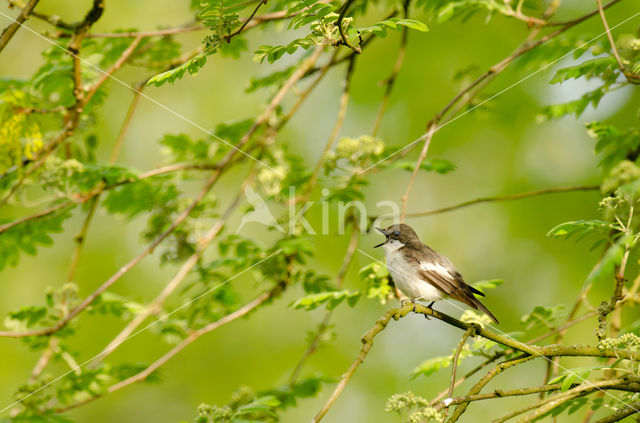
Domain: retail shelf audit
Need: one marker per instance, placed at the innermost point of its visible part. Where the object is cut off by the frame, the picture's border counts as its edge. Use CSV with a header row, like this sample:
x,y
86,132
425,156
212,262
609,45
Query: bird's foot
x,y
430,306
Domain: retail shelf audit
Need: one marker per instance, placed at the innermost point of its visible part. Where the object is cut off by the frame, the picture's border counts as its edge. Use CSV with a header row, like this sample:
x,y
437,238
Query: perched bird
x,y
423,274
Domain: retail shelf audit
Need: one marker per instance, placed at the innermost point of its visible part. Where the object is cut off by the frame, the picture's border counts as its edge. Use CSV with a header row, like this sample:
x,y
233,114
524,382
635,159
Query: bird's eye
x,y
396,233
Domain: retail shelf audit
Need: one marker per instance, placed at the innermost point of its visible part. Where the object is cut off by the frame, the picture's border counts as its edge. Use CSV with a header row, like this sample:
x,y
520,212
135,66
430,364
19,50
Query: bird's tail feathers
x,y
485,310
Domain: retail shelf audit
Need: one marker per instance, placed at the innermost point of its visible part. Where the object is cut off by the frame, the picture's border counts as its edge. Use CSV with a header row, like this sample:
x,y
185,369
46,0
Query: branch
x,y
10,31
631,77
50,210
53,20
605,308
498,198
460,409
528,352
525,47
499,393
243,311
423,154
342,112
239,30
622,413
454,365
155,306
324,325
367,341
390,81
193,336
123,270
117,65
73,112
545,405
343,36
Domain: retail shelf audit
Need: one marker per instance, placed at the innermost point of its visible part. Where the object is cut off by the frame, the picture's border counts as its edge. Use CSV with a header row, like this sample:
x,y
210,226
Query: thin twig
x,y
621,413
242,27
193,336
155,306
342,112
631,77
391,80
454,364
117,65
10,30
343,36
529,352
324,324
498,198
423,154
523,48
53,20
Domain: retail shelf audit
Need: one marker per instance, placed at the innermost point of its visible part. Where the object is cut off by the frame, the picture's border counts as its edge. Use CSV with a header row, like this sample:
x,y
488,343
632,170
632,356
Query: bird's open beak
x,y
383,232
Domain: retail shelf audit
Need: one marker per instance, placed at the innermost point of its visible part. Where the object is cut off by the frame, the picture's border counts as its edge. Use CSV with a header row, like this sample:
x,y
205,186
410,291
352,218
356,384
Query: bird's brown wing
x,y
444,277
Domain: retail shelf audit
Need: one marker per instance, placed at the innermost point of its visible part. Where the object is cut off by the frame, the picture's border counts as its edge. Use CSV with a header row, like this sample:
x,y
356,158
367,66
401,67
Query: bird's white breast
x,y
406,276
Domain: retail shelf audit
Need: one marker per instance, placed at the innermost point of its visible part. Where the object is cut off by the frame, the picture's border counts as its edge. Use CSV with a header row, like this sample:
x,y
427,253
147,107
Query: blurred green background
x,y
500,148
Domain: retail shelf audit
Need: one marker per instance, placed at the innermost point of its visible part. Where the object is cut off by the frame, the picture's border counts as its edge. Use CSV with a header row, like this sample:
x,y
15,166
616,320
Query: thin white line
x,y
496,95
508,336
168,109
141,330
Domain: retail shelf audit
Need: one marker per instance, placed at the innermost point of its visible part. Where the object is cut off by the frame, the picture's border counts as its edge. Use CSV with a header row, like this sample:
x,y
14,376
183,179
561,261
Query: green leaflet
x,y
332,299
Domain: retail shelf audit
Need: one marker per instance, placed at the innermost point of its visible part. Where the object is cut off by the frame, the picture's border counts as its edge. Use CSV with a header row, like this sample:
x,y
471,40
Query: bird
x,y
422,273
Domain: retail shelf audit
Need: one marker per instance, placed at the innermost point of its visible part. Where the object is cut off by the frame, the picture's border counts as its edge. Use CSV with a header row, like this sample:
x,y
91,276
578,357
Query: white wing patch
x,y
436,268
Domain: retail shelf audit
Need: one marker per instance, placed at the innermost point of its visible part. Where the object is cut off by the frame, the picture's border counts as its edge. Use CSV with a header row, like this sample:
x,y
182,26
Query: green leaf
x,y
589,69
29,316
376,278
332,299
192,66
380,28
581,228
485,285
430,165
262,404
574,107
543,316
430,366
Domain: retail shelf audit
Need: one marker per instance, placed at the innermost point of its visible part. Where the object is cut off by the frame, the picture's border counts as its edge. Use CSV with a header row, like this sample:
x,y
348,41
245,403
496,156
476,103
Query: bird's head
x,y
404,234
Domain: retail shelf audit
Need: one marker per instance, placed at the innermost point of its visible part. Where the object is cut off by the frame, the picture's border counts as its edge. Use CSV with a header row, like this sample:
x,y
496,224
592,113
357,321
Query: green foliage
x,y
380,28
28,236
582,228
58,303
477,347
430,165
20,133
486,285
192,66
431,365
601,67
332,299
141,196
273,53
574,107
447,10
39,107
248,406
612,144
274,79
545,317
377,281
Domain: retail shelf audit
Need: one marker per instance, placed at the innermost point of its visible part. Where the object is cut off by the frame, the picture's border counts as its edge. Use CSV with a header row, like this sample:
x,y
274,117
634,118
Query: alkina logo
x,y
296,219
260,213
